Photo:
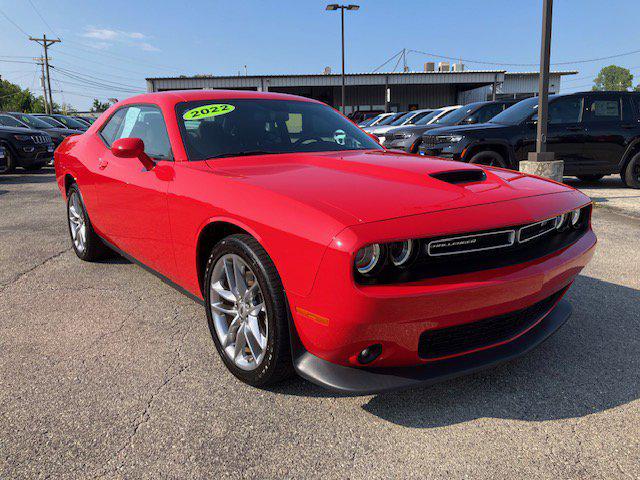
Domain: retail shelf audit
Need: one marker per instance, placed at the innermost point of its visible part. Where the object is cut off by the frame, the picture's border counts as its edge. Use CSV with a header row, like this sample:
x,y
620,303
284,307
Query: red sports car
x,y
315,250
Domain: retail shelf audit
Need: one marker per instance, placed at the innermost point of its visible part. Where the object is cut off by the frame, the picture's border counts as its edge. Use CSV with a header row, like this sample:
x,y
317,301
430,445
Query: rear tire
x,y
631,174
489,158
85,241
8,165
590,178
33,168
225,302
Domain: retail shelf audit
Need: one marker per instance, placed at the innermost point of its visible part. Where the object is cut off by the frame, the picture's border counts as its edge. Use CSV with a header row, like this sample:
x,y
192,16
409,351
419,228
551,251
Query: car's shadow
x,y
591,365
20,177
607,183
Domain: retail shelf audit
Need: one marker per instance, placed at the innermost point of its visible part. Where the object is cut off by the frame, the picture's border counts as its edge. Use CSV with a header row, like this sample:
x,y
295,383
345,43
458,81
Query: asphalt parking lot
x,y
107,372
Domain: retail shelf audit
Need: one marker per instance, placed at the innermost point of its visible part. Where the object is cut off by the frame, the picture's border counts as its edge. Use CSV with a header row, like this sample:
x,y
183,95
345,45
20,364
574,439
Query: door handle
x,y
628,125
102,164
575,129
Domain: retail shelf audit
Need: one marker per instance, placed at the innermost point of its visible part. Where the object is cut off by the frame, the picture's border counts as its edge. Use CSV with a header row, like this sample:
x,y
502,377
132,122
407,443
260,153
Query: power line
x,y
389,60
88,79
42,18
14,23
575,62
102,63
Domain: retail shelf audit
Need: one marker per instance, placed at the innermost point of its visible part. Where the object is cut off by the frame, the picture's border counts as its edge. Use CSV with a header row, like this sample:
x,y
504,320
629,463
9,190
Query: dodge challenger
x,y
316,251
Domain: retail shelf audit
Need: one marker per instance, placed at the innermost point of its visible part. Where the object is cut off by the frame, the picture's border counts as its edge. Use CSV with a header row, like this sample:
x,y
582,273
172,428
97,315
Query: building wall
x,y
514,86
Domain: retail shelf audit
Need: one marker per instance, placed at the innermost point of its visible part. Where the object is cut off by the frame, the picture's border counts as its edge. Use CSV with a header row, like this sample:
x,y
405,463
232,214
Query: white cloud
x,y
108,37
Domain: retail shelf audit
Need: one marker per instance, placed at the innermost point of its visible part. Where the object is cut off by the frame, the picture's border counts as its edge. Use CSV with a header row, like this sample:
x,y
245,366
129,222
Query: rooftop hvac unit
x,y
443,66
458,67
326,71
429,67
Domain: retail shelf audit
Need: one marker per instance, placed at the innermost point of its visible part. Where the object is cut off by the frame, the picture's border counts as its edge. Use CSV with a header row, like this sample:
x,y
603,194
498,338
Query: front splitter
x,y
367,381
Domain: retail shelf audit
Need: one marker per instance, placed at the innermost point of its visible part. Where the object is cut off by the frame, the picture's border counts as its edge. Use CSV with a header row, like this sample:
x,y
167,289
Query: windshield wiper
x,y
243,154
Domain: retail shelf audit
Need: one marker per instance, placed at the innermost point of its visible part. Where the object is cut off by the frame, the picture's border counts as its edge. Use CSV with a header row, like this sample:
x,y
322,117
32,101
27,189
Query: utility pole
x,y
46,43
40,62
541,162
342,8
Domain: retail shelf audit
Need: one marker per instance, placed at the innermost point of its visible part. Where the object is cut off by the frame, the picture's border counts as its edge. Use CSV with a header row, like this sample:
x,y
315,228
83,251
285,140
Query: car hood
x,y
62,131
462,129
416,129
366,186
23,131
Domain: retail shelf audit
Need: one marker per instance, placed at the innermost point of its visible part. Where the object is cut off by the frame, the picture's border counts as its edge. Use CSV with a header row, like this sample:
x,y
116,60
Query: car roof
x,y
177,96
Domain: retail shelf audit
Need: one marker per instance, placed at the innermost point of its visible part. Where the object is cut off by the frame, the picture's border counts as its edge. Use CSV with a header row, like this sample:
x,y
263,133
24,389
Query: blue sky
x,y
121,42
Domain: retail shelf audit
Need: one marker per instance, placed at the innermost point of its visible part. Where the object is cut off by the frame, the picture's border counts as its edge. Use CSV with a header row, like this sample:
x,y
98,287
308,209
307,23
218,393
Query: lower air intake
x,y
449,341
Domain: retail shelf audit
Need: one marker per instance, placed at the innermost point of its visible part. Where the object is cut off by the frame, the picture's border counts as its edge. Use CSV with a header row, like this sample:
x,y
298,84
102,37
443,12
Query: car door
x,y
566,131
609,122
132,199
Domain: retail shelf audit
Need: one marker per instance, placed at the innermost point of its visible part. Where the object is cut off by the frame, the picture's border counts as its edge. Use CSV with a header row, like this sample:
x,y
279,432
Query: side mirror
x,y
132,148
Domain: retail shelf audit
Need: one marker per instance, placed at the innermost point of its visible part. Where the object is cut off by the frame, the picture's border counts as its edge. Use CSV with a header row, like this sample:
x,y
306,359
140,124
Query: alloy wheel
x,y
238,311
77,222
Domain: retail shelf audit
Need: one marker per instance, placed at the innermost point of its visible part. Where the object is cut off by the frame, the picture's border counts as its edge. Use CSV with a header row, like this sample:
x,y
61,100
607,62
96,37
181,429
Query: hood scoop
x,y
457,177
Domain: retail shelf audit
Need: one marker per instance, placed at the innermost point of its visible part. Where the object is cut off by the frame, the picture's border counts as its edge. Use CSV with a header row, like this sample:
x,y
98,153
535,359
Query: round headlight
x,y
575,218
368,258
561,221
400,252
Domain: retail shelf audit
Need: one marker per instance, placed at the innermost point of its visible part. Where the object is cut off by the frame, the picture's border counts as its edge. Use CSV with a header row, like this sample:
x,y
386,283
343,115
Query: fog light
x,y
369,354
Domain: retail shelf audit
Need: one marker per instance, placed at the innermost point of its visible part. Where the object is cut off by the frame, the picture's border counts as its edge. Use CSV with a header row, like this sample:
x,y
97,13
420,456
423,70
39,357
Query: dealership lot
x,y
106,371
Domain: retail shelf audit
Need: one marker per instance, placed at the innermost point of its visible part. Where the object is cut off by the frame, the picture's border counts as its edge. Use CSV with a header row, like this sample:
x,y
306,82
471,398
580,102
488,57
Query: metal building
x,y
379,91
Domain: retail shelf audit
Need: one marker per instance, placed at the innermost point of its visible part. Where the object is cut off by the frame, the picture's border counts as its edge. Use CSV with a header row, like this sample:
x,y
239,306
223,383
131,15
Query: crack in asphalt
x,y
145,416
43,262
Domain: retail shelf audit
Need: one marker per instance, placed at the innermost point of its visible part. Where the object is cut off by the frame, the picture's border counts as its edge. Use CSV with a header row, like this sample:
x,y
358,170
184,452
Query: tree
x,y
15,99
99,106
614,78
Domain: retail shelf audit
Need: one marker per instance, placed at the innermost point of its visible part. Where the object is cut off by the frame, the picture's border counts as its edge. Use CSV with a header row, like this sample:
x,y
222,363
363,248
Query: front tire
x,y
489,158
631,174
85,241
247,311
9,164
34,168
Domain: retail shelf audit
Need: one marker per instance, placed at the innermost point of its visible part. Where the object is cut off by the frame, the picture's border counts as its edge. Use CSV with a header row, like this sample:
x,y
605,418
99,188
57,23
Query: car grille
x,y
445,342
484,250
41,139
429,141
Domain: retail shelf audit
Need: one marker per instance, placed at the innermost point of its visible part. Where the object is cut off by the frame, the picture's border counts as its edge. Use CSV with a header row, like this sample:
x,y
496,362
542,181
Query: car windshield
x,y
402,119
389,119
9,121
71,122
417,117
33,122
428,117
51,121
517,113
256,126
369,121
456,116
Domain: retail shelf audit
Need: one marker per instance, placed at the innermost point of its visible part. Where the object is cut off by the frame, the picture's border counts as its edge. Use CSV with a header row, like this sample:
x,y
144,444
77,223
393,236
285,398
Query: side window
x,y
566,110
486,113
608,109
109,132
140,121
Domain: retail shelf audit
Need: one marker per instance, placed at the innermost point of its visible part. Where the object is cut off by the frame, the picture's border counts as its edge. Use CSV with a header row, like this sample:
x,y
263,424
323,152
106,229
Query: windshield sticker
x,y
206,111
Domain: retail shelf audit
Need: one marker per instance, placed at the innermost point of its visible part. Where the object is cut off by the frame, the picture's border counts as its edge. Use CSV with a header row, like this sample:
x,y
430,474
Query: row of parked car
x,y
594,133
28,140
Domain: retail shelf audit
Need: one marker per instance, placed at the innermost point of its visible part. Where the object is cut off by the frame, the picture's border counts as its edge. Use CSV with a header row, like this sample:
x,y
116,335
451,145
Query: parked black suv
x,y
595,133
408,137
25,120
26,148
62,121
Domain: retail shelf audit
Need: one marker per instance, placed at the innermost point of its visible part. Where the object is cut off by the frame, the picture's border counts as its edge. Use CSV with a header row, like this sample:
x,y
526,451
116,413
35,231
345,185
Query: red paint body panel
x,y
312,212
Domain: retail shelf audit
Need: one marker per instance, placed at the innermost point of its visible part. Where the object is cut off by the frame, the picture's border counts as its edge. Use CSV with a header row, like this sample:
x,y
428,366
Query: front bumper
x,y
366,381
340,318
29,154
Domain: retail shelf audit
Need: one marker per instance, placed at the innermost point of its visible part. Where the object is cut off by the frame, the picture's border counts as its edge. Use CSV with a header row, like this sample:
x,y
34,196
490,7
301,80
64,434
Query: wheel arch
x,y
68,181
632,150
210,234
497,147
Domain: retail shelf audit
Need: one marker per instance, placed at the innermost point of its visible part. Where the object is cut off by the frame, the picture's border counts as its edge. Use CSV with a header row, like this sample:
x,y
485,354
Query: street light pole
x,y
541,162
342,8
